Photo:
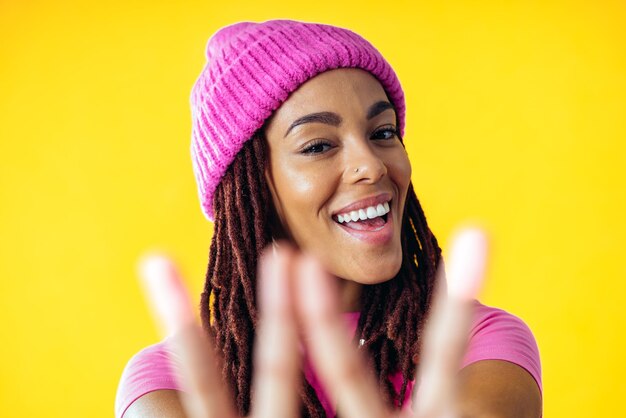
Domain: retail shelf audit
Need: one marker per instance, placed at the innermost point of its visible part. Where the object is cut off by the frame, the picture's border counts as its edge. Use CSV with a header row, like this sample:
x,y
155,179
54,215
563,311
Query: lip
x,y
380,237
364,203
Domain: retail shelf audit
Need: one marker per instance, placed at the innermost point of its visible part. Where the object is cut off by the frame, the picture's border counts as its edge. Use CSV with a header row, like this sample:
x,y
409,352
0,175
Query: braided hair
x,y
392,312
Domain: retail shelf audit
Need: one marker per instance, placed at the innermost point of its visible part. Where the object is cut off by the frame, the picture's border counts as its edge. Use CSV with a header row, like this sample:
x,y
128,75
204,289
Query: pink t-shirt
x,y
495,335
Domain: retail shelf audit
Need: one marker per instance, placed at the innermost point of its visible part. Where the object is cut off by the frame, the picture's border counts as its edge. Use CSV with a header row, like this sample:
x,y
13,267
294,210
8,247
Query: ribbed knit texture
x,y
251,69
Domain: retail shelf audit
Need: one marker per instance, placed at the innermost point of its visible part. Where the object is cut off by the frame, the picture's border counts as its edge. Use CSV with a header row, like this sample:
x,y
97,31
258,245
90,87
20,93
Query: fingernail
x,y
316,289
274,248
466,266
165,293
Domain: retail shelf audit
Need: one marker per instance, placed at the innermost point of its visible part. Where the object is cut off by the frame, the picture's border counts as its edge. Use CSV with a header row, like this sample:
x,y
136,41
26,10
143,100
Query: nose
x,y
363,165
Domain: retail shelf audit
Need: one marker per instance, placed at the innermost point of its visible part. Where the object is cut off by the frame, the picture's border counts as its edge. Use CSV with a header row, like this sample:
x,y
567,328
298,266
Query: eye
x,y
316,147
385,133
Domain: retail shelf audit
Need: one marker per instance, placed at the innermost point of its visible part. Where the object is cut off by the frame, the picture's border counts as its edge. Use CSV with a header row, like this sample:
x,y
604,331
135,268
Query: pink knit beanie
x,y
251,69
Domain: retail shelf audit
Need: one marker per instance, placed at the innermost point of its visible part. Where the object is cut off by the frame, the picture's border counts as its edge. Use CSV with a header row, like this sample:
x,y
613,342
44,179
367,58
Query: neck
x,y
349,295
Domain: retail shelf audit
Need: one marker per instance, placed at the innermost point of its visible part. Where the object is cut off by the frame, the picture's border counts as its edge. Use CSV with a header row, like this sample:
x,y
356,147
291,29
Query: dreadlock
x,y
392,312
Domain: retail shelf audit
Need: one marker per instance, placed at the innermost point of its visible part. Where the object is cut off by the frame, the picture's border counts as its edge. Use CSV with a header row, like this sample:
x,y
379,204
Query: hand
x,y
296,295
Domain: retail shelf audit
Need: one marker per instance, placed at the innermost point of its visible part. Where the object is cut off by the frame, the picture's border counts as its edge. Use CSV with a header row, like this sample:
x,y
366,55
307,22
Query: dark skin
x,y
312,174
319,166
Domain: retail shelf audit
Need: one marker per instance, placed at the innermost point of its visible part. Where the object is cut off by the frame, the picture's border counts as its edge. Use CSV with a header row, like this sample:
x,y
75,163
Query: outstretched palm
x,y
296,297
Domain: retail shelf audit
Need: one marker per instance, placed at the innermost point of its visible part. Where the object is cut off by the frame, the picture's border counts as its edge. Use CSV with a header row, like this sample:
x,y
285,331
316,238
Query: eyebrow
x,y
378,108
333,119
328,118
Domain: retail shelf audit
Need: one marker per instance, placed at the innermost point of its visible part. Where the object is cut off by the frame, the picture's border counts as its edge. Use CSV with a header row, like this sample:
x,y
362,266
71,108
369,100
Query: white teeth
x,y
369,212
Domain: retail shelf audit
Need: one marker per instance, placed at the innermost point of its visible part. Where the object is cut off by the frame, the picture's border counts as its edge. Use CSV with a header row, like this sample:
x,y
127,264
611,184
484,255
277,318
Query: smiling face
x,y
339,174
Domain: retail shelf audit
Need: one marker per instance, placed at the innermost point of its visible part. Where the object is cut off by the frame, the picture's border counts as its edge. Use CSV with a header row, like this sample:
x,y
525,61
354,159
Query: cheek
x,y
301,191
400,170
294,184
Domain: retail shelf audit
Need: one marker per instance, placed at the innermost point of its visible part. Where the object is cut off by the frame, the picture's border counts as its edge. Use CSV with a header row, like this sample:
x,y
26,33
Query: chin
x,y
367,272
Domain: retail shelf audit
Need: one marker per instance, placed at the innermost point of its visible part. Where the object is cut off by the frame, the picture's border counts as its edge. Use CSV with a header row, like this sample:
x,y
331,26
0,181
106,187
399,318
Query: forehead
x,y
343,91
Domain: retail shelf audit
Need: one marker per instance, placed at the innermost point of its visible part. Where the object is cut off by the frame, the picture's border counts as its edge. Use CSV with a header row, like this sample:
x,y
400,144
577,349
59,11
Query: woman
x,y
297,139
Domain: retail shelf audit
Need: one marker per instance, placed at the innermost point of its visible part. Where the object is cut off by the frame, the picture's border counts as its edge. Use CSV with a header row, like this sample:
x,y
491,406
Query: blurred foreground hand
x,y
297,297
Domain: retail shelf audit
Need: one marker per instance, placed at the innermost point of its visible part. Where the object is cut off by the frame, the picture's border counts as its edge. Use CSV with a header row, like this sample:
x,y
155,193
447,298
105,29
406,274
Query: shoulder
x,y
499,335
501,371
150,370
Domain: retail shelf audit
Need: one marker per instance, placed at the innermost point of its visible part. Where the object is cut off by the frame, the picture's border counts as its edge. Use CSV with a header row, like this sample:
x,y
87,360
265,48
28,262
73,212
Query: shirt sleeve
x,y
149,370
494,335
499,335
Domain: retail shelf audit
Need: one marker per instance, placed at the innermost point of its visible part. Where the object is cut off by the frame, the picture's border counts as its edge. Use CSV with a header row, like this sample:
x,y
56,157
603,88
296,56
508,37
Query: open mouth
x,y
371,218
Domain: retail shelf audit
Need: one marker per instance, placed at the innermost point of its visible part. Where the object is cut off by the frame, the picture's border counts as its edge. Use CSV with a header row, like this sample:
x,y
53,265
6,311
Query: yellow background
x,y
516,118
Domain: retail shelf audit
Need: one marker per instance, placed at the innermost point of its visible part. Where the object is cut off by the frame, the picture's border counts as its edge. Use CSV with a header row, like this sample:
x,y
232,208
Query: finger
x,y
205,394
277,358
445,334
339,364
